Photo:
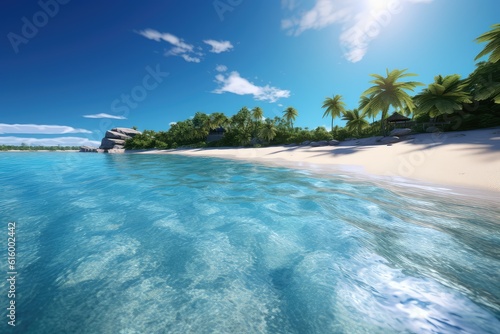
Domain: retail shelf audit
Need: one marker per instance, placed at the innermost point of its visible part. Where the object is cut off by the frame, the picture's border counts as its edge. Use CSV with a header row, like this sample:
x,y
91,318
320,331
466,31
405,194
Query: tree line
x,y
24,147
458,104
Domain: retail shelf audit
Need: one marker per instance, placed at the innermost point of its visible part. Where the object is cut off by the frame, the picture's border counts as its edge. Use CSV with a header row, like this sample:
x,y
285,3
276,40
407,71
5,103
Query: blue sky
x,y
71,70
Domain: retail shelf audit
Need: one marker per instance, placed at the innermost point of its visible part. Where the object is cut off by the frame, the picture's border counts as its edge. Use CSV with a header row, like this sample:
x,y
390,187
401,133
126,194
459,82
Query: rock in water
x,y
108,143
88,149
114,140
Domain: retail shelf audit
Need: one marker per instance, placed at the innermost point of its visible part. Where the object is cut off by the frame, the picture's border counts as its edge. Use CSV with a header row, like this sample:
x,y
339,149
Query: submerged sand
x,y
469,159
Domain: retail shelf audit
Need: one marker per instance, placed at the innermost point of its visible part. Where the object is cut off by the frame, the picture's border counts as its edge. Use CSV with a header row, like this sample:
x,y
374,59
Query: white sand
x,y
469,159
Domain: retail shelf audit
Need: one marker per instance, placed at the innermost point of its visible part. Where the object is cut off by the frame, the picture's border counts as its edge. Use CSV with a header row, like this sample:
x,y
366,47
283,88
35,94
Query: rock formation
x,y
88,149
115,138
389,140
400,132
319,143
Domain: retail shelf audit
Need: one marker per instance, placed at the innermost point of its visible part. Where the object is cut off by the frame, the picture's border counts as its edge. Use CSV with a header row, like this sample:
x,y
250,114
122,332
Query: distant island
x,y
37,148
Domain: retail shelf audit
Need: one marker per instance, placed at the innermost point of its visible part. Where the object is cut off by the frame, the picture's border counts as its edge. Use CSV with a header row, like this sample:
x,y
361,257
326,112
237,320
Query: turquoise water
x,y
170,244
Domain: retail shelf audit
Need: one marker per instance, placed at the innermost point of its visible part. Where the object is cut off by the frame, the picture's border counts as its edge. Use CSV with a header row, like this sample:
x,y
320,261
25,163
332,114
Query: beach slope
x,y
469,159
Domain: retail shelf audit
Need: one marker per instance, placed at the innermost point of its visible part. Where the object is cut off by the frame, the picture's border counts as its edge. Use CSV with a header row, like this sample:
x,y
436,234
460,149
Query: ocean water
x,y
172,244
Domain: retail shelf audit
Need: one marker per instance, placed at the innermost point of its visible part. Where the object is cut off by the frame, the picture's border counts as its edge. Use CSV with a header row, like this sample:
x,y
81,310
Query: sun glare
x,y
379,4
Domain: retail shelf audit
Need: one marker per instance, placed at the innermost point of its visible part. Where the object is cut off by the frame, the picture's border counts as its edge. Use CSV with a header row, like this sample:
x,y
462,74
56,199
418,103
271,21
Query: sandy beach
x,y
466,159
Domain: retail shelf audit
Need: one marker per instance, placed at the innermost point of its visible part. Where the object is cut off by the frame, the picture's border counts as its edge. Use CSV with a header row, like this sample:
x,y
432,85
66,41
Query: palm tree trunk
x,y
382,120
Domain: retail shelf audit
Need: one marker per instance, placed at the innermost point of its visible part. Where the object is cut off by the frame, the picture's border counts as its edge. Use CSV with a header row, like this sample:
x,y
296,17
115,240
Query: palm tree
x,y
484,82
334,107
443,96
363,102
290,114
491,37
257,114
268,132
219,119
388,92
355,121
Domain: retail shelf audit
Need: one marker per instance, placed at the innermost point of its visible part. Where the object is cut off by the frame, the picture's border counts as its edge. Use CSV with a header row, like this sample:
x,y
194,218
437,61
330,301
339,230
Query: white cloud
x,y
62,141
178,43
104,116
221,68
172,123
190,59
219,46
39,129
361,21
182,49
234,83
179,46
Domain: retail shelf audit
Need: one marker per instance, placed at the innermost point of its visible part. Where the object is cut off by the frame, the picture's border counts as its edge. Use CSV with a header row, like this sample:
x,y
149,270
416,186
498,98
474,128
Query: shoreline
x,y
465,160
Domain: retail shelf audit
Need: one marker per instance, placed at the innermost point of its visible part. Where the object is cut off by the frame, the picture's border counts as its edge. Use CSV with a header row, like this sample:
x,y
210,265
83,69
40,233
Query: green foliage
x,y
334,107
366,107
484,82
257,114
320,133
389,91
356,122
240,128
443,96
290,114
268,132
341,133
492,38
146,140
422,118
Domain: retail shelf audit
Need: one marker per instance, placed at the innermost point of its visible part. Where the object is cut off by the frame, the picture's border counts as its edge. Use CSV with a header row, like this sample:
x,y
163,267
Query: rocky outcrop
x,y
389,140
115,138
109,143
319,143
88,149
127,131
116,135
400,132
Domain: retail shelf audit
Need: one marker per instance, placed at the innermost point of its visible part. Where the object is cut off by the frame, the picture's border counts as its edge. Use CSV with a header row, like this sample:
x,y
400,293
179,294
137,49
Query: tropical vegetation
x,y
334,107
449,101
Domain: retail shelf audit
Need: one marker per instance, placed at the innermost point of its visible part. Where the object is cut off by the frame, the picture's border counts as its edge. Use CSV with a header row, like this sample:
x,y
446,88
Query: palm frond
x,y
492,38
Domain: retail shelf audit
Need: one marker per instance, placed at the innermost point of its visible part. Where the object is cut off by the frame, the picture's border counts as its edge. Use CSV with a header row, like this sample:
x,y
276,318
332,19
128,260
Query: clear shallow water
x,y
168,244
